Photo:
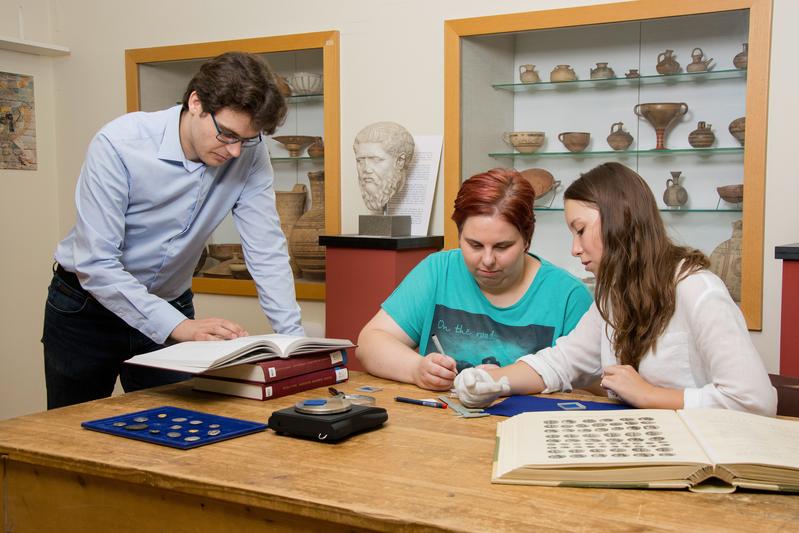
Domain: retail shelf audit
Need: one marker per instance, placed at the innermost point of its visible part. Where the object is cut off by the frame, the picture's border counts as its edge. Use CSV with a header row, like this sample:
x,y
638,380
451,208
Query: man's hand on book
x,y
207,329
476,388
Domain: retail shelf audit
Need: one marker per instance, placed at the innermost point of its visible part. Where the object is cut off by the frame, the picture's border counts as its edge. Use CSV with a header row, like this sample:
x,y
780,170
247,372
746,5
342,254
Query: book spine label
x,y
304,382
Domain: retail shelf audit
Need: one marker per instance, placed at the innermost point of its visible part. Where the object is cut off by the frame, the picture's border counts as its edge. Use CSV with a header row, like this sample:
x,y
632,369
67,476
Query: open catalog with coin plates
x,y
195,357
700,449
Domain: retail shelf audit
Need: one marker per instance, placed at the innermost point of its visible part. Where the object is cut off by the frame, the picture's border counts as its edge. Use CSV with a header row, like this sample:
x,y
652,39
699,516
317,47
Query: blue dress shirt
x,y
144,213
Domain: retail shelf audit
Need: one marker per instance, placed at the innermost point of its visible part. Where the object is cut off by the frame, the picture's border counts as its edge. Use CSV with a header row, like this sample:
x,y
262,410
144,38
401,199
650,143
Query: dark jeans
x,y
85,345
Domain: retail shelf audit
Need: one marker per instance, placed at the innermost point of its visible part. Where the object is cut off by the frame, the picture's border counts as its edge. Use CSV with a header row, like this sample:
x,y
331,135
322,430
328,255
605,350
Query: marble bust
x,y
383,152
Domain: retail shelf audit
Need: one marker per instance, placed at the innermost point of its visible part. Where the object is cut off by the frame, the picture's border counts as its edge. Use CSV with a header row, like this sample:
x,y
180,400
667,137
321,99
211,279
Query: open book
x,y
196,357
700,449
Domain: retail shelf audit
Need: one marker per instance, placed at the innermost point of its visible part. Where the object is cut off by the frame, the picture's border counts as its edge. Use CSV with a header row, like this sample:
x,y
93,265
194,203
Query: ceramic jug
x,y
741,59
602,72
562,73
632,73
528,74
738,129
698,64
675,194
304,240
666,63
702,136
618,138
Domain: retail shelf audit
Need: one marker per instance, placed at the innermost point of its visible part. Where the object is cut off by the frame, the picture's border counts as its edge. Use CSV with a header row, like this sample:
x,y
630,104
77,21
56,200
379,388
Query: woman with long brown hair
x,y
484,304
663,332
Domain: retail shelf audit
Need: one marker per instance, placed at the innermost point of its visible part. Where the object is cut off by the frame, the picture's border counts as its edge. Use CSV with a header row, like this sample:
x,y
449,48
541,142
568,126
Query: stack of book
x,y
259,367
276,377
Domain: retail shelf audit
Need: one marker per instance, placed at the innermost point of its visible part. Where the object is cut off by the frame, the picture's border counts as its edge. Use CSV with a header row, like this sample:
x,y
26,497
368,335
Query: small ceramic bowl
x,y
304,83
733,194
295,144
225,251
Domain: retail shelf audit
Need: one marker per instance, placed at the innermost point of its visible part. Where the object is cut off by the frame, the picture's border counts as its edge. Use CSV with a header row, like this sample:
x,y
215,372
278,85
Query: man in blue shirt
x,y
152,189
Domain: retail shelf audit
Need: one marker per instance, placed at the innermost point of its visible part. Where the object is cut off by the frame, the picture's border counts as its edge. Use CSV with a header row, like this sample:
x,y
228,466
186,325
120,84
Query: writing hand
x,y
207,329
435,371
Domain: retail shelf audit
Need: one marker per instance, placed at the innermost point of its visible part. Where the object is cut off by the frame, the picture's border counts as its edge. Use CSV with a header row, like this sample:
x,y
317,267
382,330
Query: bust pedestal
x,y
789,316
361,273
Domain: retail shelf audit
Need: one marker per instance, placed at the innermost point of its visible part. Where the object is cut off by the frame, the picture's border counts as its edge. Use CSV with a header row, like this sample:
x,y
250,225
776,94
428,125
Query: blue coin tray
x,y
172,426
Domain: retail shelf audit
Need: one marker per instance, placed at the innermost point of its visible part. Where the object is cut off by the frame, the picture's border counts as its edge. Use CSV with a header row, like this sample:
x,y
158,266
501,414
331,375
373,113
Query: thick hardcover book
x,y
275,389
196,357
277,369
699,449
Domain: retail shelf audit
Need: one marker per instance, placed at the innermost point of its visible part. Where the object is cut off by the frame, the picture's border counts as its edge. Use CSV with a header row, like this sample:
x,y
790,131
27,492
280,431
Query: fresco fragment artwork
x,y
17,122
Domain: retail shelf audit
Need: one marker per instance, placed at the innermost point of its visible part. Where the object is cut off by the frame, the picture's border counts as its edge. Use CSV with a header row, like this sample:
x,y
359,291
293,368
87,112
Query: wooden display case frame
x,y
328,43
760,13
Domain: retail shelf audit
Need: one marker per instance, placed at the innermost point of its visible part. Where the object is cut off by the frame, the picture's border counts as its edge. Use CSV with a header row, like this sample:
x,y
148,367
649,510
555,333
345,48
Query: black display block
x,y
374,242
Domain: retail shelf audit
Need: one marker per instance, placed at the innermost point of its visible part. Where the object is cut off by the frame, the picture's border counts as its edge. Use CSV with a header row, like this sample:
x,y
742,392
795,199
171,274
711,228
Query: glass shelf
x,y
302,98
301,158
662,210
624,153
652,79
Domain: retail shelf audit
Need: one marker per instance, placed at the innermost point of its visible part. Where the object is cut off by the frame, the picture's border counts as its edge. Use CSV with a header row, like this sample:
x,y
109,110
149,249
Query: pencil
x,y
414,401
438,345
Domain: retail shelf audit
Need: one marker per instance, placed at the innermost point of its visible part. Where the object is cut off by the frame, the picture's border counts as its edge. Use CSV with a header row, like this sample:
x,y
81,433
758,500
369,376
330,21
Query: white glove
x,y
476,388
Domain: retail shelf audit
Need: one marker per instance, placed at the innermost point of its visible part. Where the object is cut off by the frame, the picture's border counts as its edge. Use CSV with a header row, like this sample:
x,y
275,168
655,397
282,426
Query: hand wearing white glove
x,y
476,388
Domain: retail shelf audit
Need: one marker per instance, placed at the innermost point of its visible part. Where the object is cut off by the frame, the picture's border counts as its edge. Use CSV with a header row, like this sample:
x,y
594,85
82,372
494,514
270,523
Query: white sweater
x,y
705,350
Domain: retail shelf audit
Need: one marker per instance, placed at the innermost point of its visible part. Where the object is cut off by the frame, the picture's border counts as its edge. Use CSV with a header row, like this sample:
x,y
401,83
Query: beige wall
x,y
391,69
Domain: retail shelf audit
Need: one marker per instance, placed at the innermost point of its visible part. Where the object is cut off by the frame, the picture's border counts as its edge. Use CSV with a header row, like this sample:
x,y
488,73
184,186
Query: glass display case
x,y
565,90
304,150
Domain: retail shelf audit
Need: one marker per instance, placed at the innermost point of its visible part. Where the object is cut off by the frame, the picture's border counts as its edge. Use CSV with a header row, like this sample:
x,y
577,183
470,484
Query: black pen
x,y
428,403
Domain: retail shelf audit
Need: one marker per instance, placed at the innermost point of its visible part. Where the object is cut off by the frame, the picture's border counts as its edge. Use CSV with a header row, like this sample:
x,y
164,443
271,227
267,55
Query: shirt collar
x,y
170,149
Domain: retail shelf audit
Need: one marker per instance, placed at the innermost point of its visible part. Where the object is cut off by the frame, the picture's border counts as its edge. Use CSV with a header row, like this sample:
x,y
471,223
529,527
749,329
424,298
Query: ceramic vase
x,y
528,74
702,136
618,138
304,240
738,129
290,205
666,63
675,194
725,261
741,59
602,72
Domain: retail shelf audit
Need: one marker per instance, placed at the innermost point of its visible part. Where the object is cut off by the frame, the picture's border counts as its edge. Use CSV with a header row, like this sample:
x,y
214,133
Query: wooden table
x,y
425,470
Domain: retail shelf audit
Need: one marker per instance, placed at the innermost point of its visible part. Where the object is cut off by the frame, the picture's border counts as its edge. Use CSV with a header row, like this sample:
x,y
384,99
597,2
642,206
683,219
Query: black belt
x,y
69,278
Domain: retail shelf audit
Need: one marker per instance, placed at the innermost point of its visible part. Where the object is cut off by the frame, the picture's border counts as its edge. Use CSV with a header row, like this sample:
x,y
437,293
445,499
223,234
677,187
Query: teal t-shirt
x,y
439,296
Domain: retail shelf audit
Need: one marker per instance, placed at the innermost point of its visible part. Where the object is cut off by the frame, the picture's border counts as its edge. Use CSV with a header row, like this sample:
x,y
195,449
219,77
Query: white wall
x,y
392,62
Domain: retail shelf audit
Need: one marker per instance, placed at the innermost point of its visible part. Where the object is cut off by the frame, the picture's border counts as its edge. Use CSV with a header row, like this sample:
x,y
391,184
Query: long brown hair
x,y
501,191
637,275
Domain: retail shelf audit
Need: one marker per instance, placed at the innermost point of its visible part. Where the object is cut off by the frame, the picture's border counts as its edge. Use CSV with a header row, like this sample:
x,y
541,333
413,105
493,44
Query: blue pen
x,y
414,401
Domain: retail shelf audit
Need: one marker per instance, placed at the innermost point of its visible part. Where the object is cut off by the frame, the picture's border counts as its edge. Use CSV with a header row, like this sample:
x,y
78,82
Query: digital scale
x,y
326,419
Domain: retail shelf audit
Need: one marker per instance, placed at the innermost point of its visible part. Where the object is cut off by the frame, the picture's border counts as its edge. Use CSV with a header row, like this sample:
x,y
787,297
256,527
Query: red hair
x,y
499,191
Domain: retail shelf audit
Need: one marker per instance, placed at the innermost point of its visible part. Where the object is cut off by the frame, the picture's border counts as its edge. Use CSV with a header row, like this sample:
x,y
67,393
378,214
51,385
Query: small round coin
x,y
161,415
136,427
214,432
176,426
179,419
173,434
155,431
213,426
193,430
120,424
192,438
195,422
140,419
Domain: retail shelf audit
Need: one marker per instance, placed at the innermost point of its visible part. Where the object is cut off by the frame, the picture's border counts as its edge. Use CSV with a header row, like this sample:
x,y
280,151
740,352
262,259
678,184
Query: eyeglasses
x,y
229,138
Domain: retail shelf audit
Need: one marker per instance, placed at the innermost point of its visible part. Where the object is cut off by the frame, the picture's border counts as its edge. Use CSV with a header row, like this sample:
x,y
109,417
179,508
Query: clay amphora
x,y
528,74
666,63
602,72
702,136
632,73
562,73
698,64
304,240
725,261
618,138
741,59
290,205
675,194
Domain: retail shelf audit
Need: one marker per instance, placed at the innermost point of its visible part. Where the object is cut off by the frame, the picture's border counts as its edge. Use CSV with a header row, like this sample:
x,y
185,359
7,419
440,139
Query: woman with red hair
x,y
484,304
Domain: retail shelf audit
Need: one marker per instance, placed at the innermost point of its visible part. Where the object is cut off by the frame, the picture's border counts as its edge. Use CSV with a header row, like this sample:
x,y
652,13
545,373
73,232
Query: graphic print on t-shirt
x,y
474,339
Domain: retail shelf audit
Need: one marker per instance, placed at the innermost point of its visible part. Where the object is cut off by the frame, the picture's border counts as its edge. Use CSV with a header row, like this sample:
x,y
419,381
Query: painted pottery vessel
x,y
675,194
602,72
304,240
698,63
575,141
725,261
618,138
525,142
290,206
738,129
562,73
528,74
661,115
702,136
666,63
741,59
